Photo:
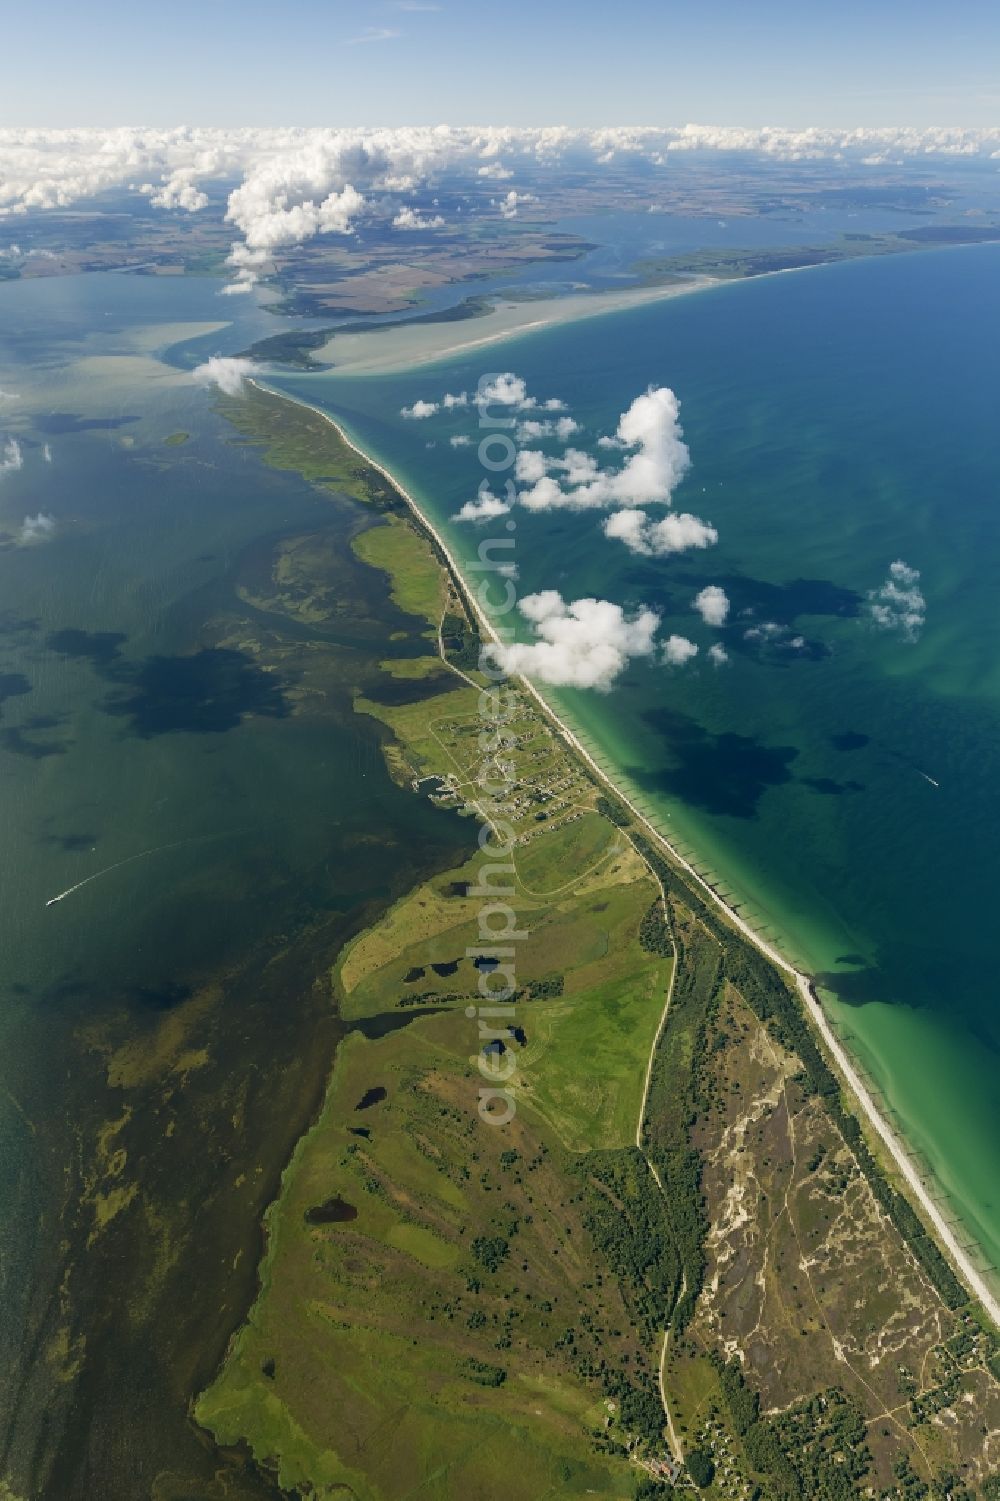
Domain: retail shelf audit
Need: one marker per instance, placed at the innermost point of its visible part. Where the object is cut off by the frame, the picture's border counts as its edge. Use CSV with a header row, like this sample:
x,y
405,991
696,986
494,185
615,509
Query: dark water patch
x,y
485,965
394,693
335,1211
268,1368
55,424
98,647
209,692
13,685
373,1096
859,987
849,740
72,843
414,974
446,967
519,1035
387,1022
360,1131
19,744
758,599
165,997
18,625
724,774
456,888
857,960
495,1048
829,788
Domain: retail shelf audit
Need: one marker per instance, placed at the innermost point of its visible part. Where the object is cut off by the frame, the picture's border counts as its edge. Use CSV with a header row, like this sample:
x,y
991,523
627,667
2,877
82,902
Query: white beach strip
x,y
961,1262
407,346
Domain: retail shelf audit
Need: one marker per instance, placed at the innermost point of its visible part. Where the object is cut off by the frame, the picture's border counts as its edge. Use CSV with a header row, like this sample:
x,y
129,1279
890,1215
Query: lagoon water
x,y
841,779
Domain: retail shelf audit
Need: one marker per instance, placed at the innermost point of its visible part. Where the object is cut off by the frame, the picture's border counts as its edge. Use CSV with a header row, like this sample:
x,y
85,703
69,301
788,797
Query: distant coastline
x,y
848,1071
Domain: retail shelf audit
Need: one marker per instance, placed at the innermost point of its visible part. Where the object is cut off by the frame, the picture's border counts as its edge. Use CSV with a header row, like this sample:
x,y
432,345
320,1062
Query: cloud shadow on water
x,y
99,647
724,774
209,692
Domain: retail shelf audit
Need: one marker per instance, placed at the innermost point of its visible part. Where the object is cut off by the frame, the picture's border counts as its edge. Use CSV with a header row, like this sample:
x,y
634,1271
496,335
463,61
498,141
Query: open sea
x,y
842,780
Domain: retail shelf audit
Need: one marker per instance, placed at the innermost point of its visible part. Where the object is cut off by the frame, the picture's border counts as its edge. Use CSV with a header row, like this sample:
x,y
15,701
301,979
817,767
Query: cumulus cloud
x,y
410,218
459,440
505,390
508,205
11,457
454,399
485,506
533,428
583,643
677,650
36,529
225,371
297,182
658,460
419,410
717,654
712,605
899,604
678,532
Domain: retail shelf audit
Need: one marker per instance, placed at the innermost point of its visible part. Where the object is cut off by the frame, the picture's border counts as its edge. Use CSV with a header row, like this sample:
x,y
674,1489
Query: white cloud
x,y
459,440
36,529
419,410
899,604
10,396
409,218
712,605
534,428
12,457
650,474
455,399
509,204
496,172
484,507
583,643
717,654
677,532
224,371
506,390
677,650
297,182
47,453
373,34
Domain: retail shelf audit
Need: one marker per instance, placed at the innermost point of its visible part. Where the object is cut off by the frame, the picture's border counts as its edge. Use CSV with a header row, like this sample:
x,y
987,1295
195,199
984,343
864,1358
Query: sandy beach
x,y
849,1074
390,350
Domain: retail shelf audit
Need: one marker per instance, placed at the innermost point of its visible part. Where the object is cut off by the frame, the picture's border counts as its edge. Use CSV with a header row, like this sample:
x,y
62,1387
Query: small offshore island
x,y
585,1274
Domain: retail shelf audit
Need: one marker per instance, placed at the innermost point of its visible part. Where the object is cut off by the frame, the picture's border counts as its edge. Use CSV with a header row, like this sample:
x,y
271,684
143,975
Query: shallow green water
x,y
837,420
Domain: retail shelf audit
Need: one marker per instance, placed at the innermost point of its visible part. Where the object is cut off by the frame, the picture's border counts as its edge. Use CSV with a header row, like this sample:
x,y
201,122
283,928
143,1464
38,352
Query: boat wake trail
x,y
157,849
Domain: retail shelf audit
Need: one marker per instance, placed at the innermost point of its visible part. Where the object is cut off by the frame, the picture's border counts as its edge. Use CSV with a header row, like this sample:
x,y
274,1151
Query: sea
x,y
836,777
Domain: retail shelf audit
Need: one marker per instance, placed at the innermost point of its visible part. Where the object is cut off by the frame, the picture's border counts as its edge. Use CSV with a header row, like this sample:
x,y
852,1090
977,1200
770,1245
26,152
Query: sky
x,y
525,62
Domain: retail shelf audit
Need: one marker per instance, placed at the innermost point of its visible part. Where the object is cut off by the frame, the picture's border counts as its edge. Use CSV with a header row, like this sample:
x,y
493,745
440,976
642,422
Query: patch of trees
x,y
490,1251
700,1468
484,1374
654,935
614,810
460,638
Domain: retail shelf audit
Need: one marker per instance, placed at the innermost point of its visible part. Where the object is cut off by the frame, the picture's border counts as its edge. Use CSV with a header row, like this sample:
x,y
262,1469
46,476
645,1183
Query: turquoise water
x,y
837,419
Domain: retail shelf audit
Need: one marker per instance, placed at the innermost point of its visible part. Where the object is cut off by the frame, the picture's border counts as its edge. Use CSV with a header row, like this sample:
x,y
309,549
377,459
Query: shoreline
x,y
973,1280
574,307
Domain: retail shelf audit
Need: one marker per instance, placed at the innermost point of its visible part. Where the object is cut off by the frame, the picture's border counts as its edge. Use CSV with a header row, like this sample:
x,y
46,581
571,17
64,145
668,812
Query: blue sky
x,y
343,62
